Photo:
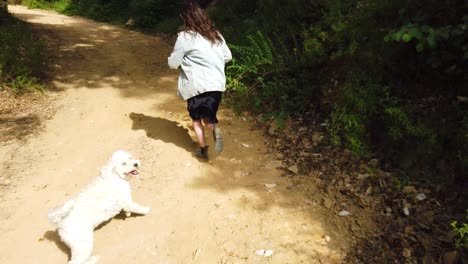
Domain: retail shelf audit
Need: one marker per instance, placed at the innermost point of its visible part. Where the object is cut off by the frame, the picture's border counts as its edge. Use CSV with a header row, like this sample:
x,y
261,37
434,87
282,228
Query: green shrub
x,y
58,5
26,83
260,79
21,60
462,233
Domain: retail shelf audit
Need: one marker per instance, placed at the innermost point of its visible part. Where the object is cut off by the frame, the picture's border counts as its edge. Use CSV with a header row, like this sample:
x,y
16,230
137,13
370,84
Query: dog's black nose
x,y
135,165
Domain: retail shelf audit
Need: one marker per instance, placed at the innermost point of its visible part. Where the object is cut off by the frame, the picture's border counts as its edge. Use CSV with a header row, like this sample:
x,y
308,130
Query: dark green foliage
x,y
261,79
462,232
150,13
388,71
21,60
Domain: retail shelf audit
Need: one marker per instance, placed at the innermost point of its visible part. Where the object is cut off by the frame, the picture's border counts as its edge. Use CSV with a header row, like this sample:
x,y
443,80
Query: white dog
x,y
101,200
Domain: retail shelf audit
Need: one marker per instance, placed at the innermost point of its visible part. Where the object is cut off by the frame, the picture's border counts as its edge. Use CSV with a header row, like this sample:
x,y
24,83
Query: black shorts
x,y
204,106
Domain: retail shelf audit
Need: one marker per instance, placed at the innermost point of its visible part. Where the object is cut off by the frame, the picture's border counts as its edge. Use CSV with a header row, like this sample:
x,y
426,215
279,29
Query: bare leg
x,y
199,132
211,126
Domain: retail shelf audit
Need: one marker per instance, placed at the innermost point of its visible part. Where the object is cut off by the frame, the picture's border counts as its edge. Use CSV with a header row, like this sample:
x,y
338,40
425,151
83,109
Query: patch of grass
x,y
21,57
26,83
59,5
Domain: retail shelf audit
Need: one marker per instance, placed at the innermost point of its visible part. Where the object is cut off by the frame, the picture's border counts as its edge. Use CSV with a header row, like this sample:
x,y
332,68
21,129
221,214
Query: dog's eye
x,y
124,164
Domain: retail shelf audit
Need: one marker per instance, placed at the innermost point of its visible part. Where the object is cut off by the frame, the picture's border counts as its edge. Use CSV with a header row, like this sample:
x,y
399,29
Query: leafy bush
x,y
385,72
366,115
21,58
260,79
462,232
59,5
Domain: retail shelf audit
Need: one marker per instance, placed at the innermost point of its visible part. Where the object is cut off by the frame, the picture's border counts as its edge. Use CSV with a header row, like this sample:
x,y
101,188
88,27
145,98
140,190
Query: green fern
x,y
462,232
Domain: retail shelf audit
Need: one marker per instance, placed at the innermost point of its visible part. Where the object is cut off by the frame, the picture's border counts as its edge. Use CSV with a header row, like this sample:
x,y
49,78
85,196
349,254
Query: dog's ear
x,y
109,169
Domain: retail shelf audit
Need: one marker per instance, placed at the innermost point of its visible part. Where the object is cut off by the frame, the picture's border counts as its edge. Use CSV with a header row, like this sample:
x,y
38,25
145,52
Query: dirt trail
x,y
119,94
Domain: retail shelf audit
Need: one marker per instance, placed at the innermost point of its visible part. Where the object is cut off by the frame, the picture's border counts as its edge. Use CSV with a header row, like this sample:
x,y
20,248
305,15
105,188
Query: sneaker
x,y
202,153
218,139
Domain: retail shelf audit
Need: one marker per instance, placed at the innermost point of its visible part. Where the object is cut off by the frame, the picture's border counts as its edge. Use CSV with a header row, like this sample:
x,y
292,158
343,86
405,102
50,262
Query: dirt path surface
x,y
119,94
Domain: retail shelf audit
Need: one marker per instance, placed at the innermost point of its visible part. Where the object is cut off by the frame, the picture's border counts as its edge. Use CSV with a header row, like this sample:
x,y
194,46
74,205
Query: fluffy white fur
x,y
100,201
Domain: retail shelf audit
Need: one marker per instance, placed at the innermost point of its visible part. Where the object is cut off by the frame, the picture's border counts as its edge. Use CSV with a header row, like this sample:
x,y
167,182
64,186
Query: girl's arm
x,y
226,52
177,54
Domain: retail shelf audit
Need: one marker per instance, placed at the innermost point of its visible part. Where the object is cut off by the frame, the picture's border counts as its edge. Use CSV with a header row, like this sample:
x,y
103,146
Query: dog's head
x,y
123,164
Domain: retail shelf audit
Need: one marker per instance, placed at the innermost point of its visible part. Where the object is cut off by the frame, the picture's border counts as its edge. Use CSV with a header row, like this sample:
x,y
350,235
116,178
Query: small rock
x,y
130,22
406,211
309,202
327,203
195,253
245,145
327,238
406,253
268,253
260,252
270,185
421,197
294,169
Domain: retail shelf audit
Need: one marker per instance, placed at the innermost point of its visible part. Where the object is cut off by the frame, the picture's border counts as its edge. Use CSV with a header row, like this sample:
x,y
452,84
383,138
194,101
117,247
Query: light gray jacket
x,y
202,64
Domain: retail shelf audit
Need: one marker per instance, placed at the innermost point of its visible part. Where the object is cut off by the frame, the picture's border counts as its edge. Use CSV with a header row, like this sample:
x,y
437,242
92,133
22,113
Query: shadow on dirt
x,y
103,56
18,127
164,130
53,236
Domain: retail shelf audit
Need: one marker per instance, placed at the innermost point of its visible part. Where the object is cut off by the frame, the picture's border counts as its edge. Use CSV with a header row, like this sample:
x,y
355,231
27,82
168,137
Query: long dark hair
x,y
196,20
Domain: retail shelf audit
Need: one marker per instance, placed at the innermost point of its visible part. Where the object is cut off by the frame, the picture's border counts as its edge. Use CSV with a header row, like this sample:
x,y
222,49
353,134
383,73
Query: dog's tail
x,y
56,215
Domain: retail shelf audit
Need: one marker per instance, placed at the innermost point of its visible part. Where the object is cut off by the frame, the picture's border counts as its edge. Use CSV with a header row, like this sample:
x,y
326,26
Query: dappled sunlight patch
x,y
105,27
79,45
38,17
